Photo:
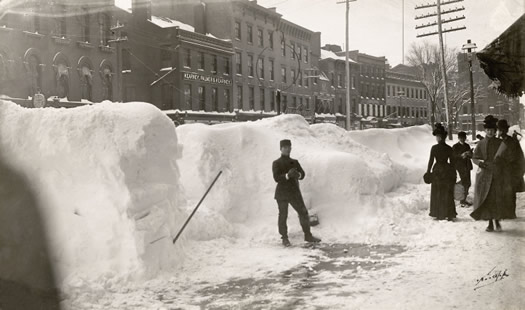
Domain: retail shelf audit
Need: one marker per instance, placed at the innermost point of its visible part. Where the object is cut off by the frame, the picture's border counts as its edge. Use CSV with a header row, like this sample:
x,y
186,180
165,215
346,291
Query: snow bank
x,y
108,185
347,174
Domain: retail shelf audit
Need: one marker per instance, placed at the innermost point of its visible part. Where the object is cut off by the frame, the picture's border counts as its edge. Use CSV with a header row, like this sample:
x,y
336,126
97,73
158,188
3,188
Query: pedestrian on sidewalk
x,y
510,164
443,177
287,172
489,188
463,164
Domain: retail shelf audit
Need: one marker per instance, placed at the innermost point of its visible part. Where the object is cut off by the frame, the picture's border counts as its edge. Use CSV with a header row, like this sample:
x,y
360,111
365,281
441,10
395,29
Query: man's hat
x,y
490,122
503,125
462,134
285,142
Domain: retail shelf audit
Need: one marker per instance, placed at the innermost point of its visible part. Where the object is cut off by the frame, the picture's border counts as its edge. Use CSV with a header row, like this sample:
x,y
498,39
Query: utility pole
x,y
439,22
347,66
403,31
119,39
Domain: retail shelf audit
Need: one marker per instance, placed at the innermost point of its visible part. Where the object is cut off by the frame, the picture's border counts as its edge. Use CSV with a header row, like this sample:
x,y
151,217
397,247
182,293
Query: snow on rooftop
x,y
165,22
331,55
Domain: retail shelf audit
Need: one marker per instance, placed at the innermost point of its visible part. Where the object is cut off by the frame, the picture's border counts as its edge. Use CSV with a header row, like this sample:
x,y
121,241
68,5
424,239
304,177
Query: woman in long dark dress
x,y
443,177
490,192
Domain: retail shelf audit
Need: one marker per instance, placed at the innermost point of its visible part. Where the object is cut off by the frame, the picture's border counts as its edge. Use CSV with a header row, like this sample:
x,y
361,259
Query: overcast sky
x,y
375,25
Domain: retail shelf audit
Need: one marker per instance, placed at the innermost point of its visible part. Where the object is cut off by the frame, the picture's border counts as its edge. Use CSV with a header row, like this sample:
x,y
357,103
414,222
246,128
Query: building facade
x,y
333,66
270,53
60,49
371,88
487,100
167,63
406,97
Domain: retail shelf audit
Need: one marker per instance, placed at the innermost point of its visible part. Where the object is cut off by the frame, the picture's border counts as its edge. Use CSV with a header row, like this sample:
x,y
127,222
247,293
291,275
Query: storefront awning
x,y
503,60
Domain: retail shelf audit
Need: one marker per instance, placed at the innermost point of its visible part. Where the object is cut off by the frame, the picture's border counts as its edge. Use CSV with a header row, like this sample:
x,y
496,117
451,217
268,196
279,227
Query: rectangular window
x,y
202,98
292,53
237,30
226,62
270,39
353,82
200,60
305,52
272,101
388,90
306,81
104,29
260,68
126,59
251,97
215,64
341,105
260,37
250,65
62,25
308,103
239,96
238,62
215,99
85,25
166,94
340,80
271,70
261,98
165,56
283,48
227,100
299,52
187,97
187,58
283,74
250,34
332,79
294,101
293,77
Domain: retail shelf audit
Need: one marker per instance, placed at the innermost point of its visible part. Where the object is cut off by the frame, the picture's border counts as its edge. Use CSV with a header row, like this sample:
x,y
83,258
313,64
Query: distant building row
x,y
208,55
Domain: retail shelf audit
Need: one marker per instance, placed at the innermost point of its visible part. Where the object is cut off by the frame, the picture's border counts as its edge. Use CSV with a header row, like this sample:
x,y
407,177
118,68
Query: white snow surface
x,y
108,182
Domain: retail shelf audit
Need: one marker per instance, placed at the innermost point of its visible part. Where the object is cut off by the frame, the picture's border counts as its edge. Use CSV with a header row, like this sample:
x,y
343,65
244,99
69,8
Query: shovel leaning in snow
x,y
195,210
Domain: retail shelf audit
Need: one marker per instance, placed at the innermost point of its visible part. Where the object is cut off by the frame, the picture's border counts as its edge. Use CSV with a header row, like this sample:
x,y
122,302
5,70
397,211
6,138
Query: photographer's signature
x,y
491,277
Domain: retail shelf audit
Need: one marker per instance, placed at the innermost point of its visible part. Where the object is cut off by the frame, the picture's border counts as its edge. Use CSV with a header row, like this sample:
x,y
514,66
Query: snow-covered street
x,y
438,269
114,183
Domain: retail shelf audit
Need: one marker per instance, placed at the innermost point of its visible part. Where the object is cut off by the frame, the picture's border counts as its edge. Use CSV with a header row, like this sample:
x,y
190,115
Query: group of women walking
x,y
499,177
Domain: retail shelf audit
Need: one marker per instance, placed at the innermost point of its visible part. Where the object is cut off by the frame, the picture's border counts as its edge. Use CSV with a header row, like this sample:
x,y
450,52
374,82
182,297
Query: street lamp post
x,y
470,47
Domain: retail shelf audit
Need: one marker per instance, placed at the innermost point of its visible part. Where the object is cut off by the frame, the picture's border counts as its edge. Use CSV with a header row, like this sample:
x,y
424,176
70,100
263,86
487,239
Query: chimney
x,y
199,13
141,10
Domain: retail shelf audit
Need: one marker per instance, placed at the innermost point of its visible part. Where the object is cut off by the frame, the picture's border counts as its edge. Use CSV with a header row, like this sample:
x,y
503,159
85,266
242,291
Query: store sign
x,y
206,78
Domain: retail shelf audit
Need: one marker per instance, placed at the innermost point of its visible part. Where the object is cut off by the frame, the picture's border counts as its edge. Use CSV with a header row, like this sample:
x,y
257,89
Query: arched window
x,y
61,66
106,73
33,67
85,69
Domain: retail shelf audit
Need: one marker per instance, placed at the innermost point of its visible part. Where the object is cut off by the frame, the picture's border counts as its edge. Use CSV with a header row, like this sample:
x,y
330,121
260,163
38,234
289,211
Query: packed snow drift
x,y
347,175
108,187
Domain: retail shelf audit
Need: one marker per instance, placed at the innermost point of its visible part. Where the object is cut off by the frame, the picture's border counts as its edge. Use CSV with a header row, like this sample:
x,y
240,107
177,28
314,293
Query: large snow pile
x,y
347,175
108,185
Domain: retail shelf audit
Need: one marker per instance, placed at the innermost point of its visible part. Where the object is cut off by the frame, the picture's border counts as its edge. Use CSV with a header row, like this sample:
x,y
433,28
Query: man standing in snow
x,y
463,154
287,172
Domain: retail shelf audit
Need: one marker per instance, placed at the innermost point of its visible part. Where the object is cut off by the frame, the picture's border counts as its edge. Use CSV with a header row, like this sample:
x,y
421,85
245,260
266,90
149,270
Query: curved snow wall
x,y
106,185
347,173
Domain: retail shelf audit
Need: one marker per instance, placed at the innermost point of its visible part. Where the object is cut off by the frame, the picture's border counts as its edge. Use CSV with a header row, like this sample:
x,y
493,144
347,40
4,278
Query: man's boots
x,y
498,226
286,242
310,238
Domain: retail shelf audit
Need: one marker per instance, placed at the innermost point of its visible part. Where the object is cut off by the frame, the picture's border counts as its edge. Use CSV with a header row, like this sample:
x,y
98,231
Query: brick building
x,y
406,97
333,66
371,88
271,53
60,48
167,63
487,99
